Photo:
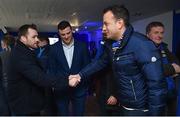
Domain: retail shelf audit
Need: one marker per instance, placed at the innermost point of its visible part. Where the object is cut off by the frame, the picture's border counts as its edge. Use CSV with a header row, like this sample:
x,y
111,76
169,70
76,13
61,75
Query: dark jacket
x,y
59,65
137,70
26,80
4,110
4,58
168,68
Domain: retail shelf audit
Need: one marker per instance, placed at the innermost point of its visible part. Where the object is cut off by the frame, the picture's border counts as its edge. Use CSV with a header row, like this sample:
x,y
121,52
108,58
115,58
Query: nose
x,y
65,36
160,35
103,29
37,39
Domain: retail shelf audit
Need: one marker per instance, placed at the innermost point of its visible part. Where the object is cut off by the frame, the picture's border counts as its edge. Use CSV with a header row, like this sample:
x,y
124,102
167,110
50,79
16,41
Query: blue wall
x,y
176,34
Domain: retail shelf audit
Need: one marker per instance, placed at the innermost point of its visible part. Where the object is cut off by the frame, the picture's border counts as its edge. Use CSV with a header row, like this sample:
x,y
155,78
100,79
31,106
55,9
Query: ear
x,y
120,23
147,35
23,39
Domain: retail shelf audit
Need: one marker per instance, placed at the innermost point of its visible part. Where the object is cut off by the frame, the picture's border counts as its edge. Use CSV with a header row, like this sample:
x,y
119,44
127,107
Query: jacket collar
x,y
23,48
161,45
126,36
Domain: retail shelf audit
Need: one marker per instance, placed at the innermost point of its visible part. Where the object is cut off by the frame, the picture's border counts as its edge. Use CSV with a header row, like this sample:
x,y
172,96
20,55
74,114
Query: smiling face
x,y
30,39
112,27
156,34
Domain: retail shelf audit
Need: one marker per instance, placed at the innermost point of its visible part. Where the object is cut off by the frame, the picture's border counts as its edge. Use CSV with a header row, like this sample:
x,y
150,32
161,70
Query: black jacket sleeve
x,y
168,68
32,71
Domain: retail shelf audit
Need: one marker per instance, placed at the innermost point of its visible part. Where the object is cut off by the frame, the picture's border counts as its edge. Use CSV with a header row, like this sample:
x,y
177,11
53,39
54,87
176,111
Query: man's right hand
x,y
176,67
112,100
74,80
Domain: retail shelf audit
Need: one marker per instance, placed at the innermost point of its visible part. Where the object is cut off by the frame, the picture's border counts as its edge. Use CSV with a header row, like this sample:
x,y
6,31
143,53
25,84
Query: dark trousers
x,y
34,114
107,110
50,108
27,114
77,105
4,108
171,107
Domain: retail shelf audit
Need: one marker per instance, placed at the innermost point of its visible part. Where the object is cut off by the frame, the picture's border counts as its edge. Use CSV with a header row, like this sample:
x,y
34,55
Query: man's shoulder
x,y
55,45
80,43
140,42
140,38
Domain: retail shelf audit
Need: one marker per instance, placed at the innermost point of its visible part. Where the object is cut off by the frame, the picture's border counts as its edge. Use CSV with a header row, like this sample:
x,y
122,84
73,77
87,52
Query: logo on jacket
x,y
153,59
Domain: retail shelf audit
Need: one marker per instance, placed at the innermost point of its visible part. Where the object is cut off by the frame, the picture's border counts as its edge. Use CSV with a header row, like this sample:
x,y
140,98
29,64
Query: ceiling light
x,y
77,29
73,14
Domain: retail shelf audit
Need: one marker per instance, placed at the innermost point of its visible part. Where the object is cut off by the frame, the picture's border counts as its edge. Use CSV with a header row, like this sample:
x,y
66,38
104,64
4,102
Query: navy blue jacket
x,y
137,70
26,81
59,64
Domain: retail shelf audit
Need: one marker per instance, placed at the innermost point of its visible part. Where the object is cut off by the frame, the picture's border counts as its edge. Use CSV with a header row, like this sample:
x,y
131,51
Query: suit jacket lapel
x,y
74,54
62,56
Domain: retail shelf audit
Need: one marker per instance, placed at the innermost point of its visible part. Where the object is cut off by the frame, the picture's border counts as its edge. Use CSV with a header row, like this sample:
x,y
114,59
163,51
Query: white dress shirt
x,y
68,51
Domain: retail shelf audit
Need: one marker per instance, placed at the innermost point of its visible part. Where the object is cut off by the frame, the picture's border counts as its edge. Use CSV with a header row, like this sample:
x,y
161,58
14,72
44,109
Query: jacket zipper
x,y
133,89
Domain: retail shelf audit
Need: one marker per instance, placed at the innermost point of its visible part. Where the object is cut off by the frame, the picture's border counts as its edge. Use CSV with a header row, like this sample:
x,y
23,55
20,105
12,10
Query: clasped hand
x,y
74,80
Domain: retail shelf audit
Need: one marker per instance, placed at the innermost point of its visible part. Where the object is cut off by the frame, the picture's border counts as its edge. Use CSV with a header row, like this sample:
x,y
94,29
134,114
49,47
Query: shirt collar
x,y
70,45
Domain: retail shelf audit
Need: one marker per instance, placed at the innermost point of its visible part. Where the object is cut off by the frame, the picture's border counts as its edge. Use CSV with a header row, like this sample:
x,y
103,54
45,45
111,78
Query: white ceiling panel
x,y
46,14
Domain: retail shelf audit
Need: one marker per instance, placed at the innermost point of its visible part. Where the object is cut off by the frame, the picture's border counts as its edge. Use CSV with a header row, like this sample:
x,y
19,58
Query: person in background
x,y
7,44
26,77
106,88
136,64
42,51
69,56
171,66
43,56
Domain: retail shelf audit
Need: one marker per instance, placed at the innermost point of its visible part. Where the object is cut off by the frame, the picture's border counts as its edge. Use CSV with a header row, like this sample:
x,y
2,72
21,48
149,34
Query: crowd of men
x,y
138,72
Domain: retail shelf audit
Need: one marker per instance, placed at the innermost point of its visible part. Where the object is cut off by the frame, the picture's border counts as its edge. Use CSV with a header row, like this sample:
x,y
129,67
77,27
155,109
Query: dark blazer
x,y
26,80
80,59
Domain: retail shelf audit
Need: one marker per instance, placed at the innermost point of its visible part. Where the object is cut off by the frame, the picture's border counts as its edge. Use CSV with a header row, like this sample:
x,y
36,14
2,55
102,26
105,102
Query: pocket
x,y
126,64
133,90
123,57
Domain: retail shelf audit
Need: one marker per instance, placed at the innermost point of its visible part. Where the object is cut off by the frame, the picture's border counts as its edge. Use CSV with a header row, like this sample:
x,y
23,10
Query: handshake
x,y
74,80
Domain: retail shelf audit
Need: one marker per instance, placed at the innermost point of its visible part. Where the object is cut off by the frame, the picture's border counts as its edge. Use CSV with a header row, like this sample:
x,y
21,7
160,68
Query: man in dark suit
x,y
69,56
26,78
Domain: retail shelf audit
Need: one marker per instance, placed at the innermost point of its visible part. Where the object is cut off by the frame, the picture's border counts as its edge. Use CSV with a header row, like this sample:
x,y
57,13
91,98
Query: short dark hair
x,y
24,29
64,24
9,40
43,38
119,11
153,24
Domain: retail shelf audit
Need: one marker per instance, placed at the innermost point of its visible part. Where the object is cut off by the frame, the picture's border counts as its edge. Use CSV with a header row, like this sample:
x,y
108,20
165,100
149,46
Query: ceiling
x,y
46,14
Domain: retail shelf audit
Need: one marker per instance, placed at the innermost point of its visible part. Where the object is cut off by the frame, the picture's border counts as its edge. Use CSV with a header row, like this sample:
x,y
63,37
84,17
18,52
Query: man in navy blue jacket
x,y
171,65
69,56
136,63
